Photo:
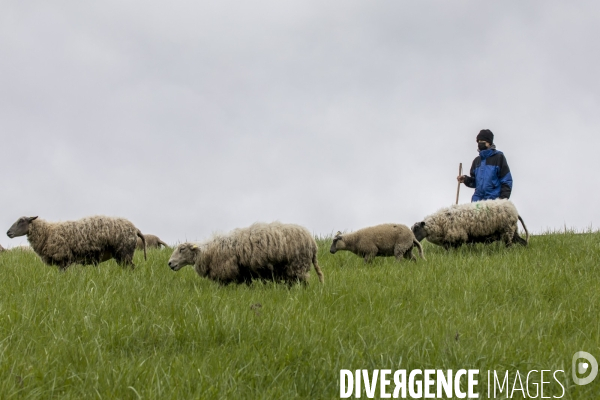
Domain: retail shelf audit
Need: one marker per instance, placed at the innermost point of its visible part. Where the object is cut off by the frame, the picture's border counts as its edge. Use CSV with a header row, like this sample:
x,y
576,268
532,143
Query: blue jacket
x,y
490,176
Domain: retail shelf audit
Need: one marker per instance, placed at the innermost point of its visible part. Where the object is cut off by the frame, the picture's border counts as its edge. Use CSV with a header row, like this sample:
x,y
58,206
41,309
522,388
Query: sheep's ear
x,y
338,234
32,218
195,247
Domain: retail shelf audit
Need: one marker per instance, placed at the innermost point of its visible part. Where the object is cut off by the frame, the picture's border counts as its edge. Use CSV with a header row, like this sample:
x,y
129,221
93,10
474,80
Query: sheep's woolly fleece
x,y
461,223
152,242
380,240
87,241
283,252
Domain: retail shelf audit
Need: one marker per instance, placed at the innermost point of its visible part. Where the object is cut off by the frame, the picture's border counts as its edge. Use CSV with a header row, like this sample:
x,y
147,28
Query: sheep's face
x,y
419,231
184,254
21,227
338,243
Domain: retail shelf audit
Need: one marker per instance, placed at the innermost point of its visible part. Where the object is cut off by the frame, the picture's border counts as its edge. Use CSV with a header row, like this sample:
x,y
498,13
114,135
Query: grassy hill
x,y
104,332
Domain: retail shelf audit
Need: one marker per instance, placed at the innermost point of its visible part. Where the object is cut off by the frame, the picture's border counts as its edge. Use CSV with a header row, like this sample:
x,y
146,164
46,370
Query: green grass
x,y
104,332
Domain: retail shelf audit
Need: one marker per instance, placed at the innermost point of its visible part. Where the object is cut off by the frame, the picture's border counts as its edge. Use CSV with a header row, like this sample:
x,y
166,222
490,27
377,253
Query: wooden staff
x,y
458,188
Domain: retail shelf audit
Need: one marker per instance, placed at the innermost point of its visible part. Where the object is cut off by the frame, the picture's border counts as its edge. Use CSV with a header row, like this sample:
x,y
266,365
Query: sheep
x,y
152,242
89,240
381,240
266,251
479,222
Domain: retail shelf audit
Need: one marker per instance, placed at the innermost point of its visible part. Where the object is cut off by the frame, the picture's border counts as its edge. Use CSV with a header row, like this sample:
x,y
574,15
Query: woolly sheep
x,y
381,240
281,252
479,222
152,242
89,240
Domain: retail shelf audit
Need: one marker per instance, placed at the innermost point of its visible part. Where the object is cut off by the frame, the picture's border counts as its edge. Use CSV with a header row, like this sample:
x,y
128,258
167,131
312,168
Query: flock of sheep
x,y
273,251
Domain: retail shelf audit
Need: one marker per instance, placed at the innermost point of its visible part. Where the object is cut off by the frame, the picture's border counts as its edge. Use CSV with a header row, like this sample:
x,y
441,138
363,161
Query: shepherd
x,y
489,175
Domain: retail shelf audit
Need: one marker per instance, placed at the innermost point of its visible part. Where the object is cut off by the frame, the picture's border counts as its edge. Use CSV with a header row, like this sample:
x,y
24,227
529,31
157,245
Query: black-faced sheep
x,y
381,240
89,240
275,251
152,242
479,222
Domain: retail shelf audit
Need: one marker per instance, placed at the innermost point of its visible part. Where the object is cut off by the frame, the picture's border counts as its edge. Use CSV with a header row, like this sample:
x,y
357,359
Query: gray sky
x,y
190,117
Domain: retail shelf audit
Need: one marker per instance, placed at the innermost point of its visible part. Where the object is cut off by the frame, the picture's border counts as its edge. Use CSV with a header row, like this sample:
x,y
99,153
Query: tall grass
x,y
105,332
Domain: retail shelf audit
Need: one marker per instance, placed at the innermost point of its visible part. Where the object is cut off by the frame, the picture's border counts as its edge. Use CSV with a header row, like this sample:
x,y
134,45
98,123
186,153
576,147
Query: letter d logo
x,y
582,367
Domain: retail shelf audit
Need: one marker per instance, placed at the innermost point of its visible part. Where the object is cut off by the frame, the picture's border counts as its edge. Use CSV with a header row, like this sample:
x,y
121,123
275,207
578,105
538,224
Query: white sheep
x,y
275,251
152,242
89,240
479,222
380,240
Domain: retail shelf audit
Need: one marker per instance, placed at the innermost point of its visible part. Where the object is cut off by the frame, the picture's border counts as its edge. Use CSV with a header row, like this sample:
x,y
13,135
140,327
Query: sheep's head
x,y
419,231
338,243
184,254
21,227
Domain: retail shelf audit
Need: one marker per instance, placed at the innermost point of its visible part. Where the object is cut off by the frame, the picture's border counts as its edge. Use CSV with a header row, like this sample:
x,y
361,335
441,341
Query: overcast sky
x,y
192,117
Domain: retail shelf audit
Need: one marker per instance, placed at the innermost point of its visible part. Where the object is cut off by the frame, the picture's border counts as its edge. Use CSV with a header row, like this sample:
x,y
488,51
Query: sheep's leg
x,y
303,276
297,272
125,259
98,257
409,255
452,245
518,239
399,253
507,237
301,279
62,264
105,256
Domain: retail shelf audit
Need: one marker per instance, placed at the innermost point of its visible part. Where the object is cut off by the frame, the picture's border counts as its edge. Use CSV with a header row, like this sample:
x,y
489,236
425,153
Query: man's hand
x,y
460,178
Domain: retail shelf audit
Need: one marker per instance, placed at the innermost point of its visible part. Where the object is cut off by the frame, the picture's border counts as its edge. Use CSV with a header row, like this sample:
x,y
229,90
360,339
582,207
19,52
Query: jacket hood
x,y
488,152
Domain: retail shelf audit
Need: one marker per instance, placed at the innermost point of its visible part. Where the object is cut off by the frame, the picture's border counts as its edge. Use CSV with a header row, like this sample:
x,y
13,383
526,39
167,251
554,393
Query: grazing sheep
x,y
152,242
381,240
89,240
479,222
281,252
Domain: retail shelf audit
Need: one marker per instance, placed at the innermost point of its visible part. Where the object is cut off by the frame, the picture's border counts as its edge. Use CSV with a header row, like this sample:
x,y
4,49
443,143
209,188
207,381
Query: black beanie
x,y
487,135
